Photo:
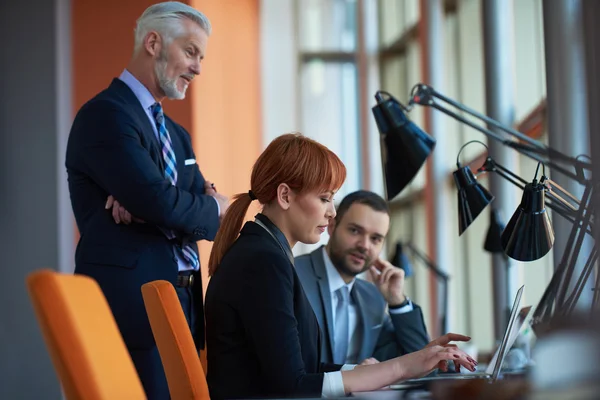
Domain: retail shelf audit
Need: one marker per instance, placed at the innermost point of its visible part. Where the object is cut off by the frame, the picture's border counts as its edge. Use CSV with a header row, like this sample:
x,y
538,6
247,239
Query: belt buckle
x,y
190,280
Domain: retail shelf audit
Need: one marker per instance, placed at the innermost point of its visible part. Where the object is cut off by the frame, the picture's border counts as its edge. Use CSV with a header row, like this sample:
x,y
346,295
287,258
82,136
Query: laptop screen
x,y
510,335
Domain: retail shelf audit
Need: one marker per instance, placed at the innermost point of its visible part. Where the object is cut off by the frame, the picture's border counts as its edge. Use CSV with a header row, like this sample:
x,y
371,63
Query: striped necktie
x,y
171,174
341,329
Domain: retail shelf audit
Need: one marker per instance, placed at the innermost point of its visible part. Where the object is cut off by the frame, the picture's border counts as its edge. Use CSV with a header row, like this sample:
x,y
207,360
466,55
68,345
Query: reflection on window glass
x,y
395,18
327,25
329,113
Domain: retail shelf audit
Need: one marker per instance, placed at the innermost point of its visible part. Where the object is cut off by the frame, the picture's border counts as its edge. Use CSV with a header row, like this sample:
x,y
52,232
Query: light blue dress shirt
x,y
147,101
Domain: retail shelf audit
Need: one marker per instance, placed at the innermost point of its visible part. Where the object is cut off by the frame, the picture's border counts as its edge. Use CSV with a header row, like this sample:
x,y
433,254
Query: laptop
x,y
493,370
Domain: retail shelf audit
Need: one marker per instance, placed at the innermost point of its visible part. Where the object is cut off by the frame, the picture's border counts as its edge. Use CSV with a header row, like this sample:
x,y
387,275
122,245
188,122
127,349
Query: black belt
x,y
186,279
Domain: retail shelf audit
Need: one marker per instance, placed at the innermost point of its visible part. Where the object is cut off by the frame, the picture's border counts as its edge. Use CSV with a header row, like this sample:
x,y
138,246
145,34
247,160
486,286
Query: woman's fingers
x,y
456,363
463,359
458,356
455,337
447,338
443,365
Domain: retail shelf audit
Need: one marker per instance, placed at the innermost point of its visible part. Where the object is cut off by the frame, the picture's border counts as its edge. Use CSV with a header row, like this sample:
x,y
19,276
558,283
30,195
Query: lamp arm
x,y
428,263
492,166
580,167
567,214
553,299
424,95
553,185
571,301
596,289
531,152
584,218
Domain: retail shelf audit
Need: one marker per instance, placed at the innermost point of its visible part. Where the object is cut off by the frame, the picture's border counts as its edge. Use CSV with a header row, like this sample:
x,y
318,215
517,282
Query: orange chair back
x,y
83,339
178,353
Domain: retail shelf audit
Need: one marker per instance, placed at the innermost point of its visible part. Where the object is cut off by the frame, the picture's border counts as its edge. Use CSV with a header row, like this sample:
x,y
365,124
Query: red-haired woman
x,y
263,339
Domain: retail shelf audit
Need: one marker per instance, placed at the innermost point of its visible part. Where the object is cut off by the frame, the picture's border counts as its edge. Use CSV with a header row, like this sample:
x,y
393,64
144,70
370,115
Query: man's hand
x,y
119,213
389,280
210,188
223,201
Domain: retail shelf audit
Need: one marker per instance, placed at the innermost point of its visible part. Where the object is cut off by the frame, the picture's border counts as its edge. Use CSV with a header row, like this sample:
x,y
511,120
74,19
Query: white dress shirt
x,y
333,383
147,101
336,282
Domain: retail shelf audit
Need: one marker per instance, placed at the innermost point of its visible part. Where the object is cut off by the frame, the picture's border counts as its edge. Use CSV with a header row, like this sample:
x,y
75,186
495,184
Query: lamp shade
x,y
493,240
472,197
528,236
404,146
400,259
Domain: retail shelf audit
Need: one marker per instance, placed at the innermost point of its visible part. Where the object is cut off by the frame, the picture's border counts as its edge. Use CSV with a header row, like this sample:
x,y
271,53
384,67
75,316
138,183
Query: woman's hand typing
x,y
413,365
423,362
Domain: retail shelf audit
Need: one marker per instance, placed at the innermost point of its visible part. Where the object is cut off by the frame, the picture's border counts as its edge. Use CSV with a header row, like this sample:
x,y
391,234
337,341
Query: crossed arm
x,y
113,156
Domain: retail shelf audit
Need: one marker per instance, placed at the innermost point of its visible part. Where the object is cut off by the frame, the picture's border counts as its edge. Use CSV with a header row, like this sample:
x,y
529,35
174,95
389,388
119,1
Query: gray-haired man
x,y
138,196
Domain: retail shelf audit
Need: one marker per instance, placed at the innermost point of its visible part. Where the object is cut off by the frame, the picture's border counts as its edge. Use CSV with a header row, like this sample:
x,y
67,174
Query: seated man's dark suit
x,y
113,150
384,335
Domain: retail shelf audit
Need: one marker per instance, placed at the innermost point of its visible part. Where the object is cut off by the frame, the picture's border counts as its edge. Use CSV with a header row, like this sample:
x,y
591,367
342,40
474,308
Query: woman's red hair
x,y
302,163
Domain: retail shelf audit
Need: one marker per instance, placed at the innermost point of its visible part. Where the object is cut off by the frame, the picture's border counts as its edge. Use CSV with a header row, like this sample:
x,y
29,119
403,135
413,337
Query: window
x,y
328,85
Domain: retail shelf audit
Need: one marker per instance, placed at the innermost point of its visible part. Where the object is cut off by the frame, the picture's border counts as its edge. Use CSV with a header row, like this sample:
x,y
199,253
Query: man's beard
x,y
338,258
168,85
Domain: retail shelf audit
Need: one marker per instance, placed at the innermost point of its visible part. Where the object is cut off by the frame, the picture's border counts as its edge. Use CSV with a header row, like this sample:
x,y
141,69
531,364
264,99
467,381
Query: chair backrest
x,y
178,353
83,339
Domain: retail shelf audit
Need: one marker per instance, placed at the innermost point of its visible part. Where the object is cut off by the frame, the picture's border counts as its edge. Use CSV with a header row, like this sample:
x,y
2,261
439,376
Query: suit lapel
x,y
318,264
148,132
144,122
368,320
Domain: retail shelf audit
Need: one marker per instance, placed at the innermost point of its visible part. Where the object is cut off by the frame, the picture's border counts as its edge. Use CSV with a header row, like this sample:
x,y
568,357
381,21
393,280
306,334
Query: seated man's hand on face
x,y
389,280
119,213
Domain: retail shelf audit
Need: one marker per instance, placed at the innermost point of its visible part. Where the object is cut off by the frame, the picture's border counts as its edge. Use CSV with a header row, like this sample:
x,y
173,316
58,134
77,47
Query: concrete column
x,y
567,109
438,193
36,228
591,34
498,35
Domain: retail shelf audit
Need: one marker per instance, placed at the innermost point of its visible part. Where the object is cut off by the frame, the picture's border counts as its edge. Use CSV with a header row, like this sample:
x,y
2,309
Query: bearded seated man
x,y
362,322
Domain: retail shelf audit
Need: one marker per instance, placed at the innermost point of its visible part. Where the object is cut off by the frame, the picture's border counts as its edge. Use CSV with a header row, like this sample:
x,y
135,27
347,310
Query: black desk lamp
x,y
528,235
404,146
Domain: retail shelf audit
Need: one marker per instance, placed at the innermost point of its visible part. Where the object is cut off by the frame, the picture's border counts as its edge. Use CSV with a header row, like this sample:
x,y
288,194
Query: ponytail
x,y
229,230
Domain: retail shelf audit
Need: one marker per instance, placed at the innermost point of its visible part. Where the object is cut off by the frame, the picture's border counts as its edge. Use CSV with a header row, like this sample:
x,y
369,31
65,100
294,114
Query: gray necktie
x,y
341,326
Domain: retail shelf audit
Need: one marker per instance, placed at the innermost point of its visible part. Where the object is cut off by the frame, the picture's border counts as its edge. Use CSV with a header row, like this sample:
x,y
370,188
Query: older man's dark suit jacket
x,y
384,335
113,150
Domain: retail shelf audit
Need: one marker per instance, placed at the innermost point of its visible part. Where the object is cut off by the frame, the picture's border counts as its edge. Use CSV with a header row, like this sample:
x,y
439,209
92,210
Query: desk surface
x,y
452,389
393,394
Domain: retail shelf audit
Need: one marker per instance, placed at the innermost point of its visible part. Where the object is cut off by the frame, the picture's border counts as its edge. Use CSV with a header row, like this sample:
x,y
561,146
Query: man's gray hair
x,y
165,18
